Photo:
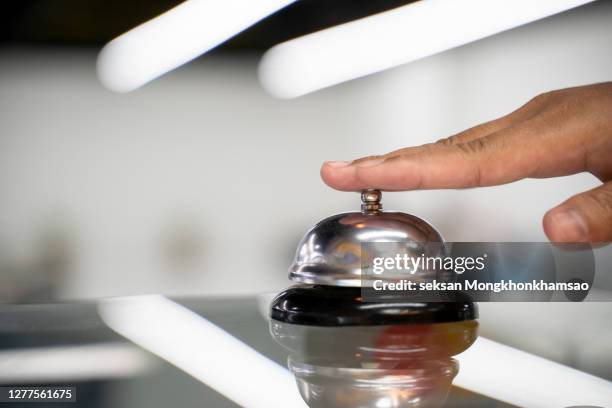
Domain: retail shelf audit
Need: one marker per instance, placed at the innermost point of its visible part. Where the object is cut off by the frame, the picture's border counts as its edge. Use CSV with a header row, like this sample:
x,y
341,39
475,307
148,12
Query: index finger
x,y
513,153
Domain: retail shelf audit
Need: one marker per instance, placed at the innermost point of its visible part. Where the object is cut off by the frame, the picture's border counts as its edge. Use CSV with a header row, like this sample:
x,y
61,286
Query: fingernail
x,y
572,226
369,163
337,163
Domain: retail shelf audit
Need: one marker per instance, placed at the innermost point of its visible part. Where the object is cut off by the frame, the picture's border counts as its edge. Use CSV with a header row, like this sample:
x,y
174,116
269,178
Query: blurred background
x,y
201,184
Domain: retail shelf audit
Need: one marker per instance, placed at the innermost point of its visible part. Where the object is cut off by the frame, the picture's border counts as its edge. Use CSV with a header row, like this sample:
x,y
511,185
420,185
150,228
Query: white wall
x,y
204,153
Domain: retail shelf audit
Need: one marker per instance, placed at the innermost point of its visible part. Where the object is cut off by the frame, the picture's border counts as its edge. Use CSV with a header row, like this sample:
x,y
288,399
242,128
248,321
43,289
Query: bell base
x,y
320,305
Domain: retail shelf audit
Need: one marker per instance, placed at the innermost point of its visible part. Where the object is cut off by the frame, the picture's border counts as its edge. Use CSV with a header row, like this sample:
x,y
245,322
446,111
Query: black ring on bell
x,y
318,305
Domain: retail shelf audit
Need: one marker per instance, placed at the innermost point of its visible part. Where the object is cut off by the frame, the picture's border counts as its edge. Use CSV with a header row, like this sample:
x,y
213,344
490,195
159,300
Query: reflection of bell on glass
x,y
348,352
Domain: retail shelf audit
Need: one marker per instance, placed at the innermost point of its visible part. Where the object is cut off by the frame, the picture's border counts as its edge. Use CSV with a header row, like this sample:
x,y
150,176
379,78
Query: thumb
x,y
586,217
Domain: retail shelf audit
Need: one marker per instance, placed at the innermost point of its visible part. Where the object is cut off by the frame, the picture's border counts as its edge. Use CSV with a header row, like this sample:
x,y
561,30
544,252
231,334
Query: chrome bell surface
x,y
331,252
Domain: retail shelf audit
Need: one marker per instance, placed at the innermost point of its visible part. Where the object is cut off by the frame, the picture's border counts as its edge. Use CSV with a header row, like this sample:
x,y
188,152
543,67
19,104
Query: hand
x,y
555,134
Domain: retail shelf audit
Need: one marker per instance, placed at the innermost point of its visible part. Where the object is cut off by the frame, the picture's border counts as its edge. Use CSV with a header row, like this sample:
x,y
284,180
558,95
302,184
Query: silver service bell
x,y
332,252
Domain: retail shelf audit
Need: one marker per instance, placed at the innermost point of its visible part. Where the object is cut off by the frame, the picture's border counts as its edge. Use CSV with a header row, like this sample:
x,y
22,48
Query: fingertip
x,y
565,224
338,175
549,227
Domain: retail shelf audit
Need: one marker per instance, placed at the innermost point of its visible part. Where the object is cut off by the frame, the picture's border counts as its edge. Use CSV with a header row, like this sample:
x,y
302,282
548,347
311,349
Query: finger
x,y
429,167
586,217
537,147
473,133
525,150
525,112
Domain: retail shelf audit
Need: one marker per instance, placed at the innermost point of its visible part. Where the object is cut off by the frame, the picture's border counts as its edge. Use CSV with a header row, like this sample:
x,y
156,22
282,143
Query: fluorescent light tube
x,y
175,38
392,38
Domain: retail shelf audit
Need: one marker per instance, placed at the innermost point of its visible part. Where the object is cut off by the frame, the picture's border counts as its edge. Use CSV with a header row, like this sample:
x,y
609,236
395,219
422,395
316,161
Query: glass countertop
x,y
70,344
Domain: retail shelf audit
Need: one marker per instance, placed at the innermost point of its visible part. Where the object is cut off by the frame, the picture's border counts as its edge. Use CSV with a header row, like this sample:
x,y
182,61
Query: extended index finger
x,y
513,153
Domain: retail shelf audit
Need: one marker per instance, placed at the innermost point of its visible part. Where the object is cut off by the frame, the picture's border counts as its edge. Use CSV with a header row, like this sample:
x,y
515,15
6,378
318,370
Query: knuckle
x,y
541,100
473,146
543,97
598,201
447,141
602,198
475,132
396,159
489,127
428,147
536,100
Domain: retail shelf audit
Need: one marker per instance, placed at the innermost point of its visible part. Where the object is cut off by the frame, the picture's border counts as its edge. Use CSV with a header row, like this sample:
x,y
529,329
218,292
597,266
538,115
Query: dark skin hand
x,y
555,134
